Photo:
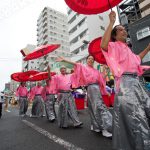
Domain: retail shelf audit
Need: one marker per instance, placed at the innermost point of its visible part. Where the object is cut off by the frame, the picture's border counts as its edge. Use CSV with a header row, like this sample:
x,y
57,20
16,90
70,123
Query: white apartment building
x,y
144,7
52,28
84,28
31,64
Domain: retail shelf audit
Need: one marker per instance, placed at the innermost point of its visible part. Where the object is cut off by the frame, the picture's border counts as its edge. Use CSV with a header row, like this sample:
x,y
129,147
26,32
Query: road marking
x,y
65,144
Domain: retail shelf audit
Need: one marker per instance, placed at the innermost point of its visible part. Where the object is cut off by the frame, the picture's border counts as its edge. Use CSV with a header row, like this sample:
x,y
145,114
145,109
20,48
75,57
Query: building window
x,y
101,27
101,18
145,32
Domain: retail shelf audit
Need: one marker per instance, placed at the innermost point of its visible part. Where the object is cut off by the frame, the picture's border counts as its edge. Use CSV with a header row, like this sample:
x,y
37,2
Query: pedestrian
x,y
1,102
22,93
87,75
48,94
67,108
38,104
6,97
131,130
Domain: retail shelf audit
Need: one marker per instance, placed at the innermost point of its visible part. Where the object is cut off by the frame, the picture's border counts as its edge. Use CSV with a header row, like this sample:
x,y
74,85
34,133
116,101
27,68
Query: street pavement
x,y
25,133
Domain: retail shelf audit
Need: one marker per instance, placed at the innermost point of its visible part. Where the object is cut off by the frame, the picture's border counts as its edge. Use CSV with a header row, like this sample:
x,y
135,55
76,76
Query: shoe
x,y
106,133
23,115
8,110
78,125
95,130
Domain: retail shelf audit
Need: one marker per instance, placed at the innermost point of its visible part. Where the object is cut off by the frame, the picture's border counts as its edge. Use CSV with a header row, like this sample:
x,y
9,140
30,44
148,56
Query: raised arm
x,y
107,35
62,59
49,72
144,52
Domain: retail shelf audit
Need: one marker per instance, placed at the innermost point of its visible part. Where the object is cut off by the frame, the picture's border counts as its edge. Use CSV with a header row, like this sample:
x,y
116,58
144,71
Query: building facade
x,y
144,7
135,16
82,30
52,28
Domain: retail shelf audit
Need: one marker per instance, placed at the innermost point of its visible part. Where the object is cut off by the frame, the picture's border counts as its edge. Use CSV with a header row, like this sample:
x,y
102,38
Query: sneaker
x,y
95,130
106,133
8,110
78,125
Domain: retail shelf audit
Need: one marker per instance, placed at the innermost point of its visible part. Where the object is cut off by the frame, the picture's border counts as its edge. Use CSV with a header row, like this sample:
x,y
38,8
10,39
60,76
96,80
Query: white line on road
x,y
65,144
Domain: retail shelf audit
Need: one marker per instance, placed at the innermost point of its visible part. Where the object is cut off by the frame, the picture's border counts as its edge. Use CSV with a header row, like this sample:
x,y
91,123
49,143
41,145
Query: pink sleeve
x,y
77,77
43,93
17,93
102,84
111,57
31,93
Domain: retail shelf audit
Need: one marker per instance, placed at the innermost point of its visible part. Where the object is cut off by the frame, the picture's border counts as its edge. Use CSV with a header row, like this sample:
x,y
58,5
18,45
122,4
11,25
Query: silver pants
x,y
23,104
50,107
100,116
37,106
131,116
67,109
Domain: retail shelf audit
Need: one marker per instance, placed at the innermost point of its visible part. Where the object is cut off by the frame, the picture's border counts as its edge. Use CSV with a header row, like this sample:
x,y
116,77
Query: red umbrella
x,y
91,6
40,76
95,50
41,51
23,76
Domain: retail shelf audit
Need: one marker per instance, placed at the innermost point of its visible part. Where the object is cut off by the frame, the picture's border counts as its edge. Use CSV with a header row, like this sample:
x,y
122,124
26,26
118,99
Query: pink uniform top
x,y
49,89
36,90
22,91
63,82
84,75
121,59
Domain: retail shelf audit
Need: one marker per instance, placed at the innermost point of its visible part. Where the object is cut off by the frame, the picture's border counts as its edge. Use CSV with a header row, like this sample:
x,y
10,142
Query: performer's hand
x,y
60,59
112,17
148,47
48,68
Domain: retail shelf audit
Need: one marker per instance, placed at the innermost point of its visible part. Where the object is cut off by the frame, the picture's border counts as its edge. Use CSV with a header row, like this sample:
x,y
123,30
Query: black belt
x,y
64,91
37,94
23,96
50,94
130,74
92,84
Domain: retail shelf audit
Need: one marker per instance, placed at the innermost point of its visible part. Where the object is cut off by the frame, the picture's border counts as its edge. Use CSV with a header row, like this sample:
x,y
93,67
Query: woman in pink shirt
x,y
38,105
48,94
87,75
22,93
131,130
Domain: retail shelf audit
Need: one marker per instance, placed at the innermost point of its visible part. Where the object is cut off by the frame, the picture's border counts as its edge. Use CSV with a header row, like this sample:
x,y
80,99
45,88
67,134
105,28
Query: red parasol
x,y
23,76
95,50
91,6
41,51
40,76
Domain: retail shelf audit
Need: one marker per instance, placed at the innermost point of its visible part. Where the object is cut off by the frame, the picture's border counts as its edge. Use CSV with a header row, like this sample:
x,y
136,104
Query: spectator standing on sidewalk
x,y
1,102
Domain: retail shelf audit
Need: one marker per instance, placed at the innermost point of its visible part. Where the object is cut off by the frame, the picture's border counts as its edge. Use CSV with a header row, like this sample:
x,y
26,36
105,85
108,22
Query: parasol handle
x,y
109,5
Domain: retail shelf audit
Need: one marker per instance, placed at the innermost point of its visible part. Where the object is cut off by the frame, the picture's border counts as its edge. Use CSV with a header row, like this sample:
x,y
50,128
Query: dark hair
x,y
89,56
114,33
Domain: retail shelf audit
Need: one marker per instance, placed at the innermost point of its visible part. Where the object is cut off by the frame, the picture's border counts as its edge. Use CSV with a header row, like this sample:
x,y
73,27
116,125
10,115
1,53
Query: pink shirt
x,y
63,82
51,89
121,59
84,75
22,91
35,90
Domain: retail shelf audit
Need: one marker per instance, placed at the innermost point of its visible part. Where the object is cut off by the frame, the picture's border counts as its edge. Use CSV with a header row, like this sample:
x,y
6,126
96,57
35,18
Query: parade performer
x,y
87,75
22,93
131,130
48,93
67,108
38,104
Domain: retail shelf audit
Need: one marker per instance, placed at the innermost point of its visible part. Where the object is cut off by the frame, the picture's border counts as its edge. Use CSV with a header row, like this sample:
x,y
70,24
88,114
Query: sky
x,y
18,24
18,20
